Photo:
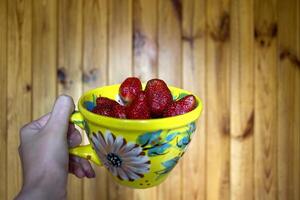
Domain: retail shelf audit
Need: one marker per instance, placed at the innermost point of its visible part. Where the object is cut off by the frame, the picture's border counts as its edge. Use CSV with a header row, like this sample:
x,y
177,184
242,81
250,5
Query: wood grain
x,y
266,131
18,85
145,57
296,142
3,102
145,39
193,38
44,56
120,40
242,101
94,75
217,99
288,155
69,72
241,57
170,70
120,65
169,41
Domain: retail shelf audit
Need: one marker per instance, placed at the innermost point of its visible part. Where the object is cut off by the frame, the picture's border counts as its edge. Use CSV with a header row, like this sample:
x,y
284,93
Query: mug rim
x,y
140,124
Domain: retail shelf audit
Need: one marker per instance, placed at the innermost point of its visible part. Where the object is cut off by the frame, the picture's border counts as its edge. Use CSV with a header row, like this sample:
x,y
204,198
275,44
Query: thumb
x,y
61,111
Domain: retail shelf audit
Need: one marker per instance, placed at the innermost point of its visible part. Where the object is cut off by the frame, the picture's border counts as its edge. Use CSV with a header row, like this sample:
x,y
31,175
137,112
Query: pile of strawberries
x,y
154,102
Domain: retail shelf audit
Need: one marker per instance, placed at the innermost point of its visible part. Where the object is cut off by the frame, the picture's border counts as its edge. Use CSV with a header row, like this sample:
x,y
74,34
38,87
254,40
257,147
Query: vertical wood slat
x,y
95,75
44,56
288,154
169,41
169,69
18,86
296,142
120,65
3,102
265,60
269,139
145,57
70,65
242,100
145,47
217,98
120,40
193,64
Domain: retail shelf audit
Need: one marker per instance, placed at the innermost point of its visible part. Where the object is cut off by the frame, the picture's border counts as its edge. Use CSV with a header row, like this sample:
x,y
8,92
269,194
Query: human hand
x,y
44,153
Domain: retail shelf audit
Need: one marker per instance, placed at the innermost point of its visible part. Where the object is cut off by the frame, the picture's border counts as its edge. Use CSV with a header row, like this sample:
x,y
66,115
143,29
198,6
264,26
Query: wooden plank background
x,y
242,57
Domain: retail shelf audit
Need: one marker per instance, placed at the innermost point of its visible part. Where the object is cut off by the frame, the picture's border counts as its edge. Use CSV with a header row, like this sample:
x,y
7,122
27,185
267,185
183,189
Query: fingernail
x,y
80,174
70,142
90,174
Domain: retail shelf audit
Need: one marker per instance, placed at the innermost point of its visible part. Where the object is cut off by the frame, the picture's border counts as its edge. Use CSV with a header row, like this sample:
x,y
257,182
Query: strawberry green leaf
x,y
180,96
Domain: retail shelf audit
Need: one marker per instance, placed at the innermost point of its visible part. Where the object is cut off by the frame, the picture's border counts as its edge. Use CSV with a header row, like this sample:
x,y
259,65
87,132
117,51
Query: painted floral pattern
x,y
159,143
123,159
168,166
186,139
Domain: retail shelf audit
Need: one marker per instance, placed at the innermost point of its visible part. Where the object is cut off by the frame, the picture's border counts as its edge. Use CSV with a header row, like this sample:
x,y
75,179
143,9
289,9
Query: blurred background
x,y
242,57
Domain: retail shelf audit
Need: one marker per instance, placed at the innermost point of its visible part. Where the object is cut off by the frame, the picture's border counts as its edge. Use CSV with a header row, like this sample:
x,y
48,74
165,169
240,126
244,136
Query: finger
x,y
71,127
42,121
59,120
33,127
75,167
87,168
36,124
74,137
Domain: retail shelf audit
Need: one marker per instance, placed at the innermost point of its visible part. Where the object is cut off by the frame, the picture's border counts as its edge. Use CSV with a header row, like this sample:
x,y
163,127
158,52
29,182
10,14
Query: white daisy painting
x,y
125,160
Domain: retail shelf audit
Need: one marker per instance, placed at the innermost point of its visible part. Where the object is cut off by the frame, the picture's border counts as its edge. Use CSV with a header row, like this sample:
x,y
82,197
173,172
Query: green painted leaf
x,y
86,127
79,122
94,99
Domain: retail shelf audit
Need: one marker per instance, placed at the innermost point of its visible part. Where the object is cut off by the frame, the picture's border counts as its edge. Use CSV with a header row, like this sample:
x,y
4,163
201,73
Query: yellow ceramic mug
x,y
137,153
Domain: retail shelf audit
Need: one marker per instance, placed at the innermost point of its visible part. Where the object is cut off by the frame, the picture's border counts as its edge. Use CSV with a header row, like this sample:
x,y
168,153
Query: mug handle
x,y
83,151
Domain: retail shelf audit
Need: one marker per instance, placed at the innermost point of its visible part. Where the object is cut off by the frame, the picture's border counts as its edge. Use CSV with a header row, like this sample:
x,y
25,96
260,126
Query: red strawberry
x,y
139,108
158,96
142,97
184,105
109,107
105,102
129,89
106,111
119,111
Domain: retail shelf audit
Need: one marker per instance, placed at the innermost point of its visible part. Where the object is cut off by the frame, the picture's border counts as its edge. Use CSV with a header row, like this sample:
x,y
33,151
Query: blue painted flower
x,y
89,105
155,142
